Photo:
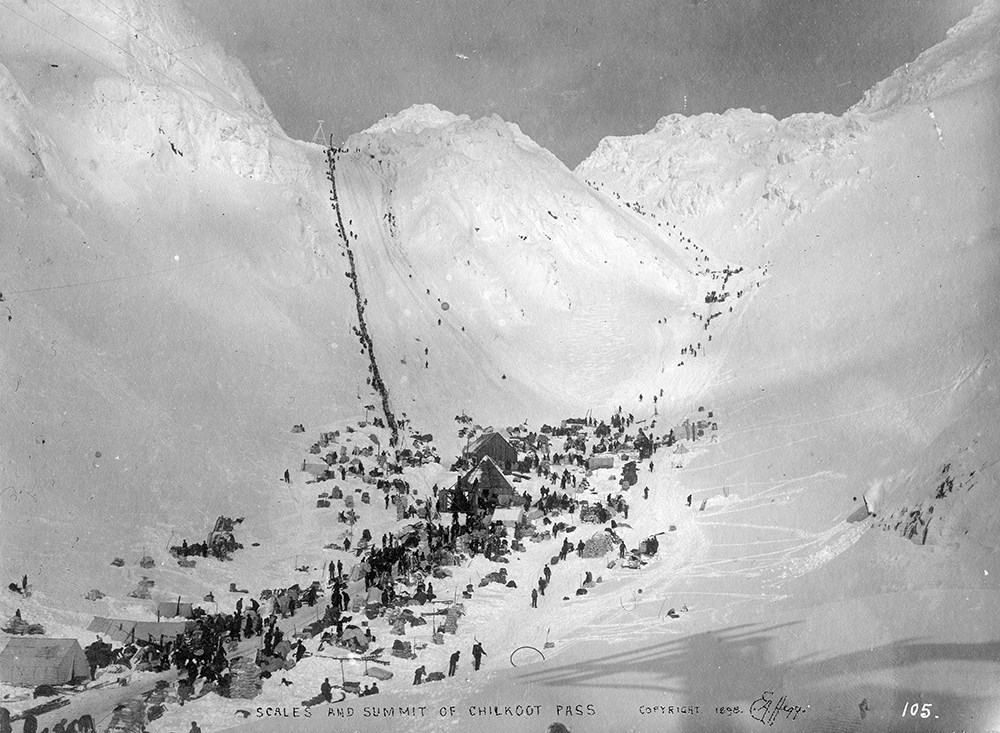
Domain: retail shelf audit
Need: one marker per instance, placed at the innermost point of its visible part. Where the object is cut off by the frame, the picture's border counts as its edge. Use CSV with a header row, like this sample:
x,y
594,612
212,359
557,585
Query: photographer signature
x,y
766,710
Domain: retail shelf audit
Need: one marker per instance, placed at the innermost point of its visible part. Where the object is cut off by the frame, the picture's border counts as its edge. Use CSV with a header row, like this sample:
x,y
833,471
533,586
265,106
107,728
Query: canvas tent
x,y
510,517
600,461
126,631
29,661
170,609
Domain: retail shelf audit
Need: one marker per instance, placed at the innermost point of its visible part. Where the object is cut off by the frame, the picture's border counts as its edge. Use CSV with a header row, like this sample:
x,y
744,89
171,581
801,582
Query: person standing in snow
x,y
326,691
477,654
534,598
418,674
453,663
288,478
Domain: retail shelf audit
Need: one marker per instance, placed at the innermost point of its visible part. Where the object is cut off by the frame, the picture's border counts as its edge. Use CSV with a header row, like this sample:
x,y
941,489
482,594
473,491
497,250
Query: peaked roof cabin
x,y
492,444
491,480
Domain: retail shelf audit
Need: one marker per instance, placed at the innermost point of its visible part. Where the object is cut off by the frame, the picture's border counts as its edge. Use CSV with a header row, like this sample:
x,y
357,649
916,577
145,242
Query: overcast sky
x,y
568,72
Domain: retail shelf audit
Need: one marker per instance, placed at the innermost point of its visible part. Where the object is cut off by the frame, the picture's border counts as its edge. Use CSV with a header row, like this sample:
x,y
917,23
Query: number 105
x,y
917,710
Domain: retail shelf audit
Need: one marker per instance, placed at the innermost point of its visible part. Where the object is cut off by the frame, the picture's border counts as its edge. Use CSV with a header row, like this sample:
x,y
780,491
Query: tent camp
x,y
30,661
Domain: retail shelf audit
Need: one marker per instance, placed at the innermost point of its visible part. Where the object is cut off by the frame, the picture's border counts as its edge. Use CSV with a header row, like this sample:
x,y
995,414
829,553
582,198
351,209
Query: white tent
x,y
510,516
30,661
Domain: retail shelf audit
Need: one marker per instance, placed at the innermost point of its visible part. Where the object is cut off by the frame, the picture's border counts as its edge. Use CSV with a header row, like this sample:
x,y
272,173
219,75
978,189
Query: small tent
x,y
33,660
510,517
600,461
126,631
680,448
170,609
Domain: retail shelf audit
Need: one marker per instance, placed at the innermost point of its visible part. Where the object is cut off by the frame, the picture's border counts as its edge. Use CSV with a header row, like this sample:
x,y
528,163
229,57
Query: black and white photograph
x,y
509,366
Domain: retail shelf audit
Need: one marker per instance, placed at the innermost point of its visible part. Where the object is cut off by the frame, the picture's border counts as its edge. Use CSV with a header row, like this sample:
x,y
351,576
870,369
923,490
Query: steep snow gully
x,y
375,375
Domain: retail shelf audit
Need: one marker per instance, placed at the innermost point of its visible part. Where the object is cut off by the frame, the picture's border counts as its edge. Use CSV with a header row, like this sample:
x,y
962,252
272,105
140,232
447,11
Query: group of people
x,y
83,724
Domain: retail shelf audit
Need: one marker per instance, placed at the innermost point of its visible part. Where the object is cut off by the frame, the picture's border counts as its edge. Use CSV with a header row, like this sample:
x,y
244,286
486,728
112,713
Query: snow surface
x,y
177,301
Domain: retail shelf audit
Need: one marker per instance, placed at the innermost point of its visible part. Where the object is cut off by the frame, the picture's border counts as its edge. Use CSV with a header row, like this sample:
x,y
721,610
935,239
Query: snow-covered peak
x,y
415,119
765,172
425,129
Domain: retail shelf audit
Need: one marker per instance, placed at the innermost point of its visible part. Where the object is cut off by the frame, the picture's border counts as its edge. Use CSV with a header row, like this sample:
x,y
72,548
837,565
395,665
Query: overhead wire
x,y
119,73
175,56
59,38
132,56
133,276
136,58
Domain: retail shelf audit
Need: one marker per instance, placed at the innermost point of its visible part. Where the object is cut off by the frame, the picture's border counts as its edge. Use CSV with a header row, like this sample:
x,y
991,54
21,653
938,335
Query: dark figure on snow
x,y
24,583
326,691
418,674
645,493
194,728
288,478
689,499
477,654
534,598
453,663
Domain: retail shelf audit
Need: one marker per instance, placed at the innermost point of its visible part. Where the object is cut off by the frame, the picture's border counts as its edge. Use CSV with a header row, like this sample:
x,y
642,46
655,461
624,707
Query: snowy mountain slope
x,y
969,56
92,59
868,353
552,292
172,297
